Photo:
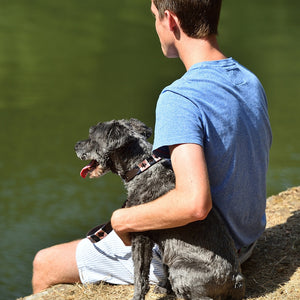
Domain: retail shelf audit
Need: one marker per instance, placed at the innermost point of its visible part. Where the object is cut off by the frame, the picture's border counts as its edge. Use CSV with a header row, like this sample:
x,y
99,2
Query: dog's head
x,y
105,138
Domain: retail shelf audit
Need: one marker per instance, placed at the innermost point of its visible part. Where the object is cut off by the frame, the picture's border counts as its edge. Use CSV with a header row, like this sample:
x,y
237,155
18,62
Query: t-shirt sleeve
x,y
178,121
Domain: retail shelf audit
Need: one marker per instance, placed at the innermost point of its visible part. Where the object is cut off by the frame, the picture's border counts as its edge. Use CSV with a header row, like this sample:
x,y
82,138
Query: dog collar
x,y
140,168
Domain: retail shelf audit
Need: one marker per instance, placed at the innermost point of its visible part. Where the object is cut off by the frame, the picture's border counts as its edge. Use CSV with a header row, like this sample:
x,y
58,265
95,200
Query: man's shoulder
x,y
210,77
185,84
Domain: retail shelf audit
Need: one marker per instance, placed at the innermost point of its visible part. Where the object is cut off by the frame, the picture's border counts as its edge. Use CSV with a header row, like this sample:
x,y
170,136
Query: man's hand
x,y
125,237
116,222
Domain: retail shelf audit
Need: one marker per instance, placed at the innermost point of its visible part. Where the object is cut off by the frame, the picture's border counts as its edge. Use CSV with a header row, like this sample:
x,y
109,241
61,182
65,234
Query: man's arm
x,y
189,201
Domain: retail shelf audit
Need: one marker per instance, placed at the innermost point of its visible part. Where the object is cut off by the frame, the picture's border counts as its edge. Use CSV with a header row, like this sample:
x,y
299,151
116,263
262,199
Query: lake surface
x,y
66,65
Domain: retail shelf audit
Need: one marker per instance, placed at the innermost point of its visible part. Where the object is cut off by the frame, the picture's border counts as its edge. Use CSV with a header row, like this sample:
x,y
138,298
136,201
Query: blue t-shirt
x,y
222,106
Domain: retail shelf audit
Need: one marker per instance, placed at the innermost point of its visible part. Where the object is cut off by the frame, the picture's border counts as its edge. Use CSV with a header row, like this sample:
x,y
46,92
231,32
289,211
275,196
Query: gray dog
x,y
200,259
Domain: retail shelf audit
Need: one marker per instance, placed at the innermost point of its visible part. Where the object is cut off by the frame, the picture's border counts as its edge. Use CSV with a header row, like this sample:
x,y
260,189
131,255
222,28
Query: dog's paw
x,y
163,289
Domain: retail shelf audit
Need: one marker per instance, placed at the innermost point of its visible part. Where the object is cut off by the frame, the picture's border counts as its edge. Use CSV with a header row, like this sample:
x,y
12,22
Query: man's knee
x,y
41,264
40,261
53,265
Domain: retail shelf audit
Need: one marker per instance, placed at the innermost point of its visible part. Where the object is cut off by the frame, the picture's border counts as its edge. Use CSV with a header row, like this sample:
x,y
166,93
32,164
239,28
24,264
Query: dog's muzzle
x,y
89,168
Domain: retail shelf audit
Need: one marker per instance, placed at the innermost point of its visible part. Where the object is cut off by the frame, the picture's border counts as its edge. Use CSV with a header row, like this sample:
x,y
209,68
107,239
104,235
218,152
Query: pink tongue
x,y
85,170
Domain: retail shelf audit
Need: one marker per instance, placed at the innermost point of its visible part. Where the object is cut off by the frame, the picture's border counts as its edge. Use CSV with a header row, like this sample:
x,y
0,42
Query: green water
x,y
65,65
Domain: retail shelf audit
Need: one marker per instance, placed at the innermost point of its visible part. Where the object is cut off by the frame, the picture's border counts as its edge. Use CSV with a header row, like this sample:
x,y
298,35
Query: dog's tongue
x,y
89,168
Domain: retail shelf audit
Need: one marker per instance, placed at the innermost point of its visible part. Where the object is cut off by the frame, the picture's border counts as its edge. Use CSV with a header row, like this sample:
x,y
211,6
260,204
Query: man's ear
x,y
173,21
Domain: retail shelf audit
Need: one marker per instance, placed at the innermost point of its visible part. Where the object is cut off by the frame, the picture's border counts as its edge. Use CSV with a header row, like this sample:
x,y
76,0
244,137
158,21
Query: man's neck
x,y
192,51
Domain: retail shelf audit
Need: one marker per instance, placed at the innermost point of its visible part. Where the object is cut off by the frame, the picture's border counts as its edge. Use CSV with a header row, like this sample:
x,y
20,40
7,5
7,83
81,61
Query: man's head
x,y
198,18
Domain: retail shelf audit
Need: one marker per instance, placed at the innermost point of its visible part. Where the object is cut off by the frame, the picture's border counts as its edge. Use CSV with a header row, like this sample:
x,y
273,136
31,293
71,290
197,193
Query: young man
x,y
213,124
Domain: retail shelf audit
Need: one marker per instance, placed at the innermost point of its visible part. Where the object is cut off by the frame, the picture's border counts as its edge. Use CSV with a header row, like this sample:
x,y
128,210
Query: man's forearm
x,y
171,210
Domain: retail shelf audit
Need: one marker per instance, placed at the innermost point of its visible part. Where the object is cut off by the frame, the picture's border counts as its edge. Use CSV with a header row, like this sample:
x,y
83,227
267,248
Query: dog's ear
x,y
139,127
118,136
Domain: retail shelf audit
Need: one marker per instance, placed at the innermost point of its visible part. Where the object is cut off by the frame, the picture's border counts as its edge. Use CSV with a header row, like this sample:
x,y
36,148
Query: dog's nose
x,y
92,129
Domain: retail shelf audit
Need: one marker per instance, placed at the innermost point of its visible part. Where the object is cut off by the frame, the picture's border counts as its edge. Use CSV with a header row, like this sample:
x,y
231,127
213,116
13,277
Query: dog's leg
x,y
142,256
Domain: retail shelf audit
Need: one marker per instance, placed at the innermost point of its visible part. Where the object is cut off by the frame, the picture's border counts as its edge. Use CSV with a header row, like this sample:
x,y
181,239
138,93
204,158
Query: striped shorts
x,y
110,260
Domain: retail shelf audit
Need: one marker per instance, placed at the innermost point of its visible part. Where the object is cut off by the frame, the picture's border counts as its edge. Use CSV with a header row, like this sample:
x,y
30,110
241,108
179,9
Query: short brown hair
x,y
198,18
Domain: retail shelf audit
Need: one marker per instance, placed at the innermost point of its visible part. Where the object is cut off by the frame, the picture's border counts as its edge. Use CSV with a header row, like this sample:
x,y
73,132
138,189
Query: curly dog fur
x,y
200,258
